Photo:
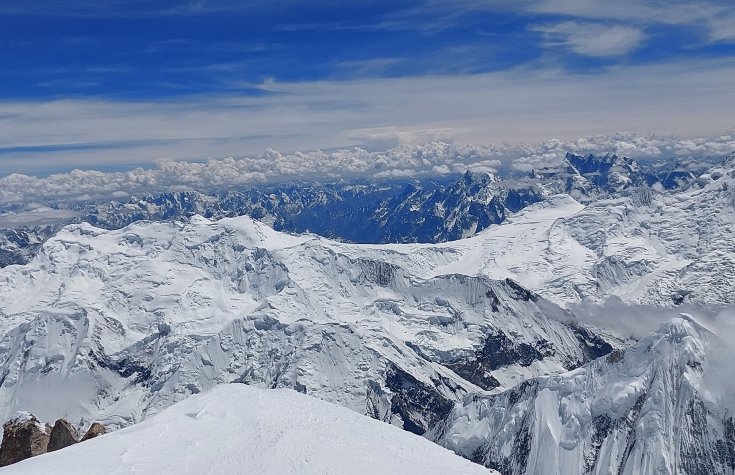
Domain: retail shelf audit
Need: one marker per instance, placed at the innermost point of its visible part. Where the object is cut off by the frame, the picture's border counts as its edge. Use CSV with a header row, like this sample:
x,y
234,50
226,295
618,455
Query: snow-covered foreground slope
x,y
121,324
642,411
236,428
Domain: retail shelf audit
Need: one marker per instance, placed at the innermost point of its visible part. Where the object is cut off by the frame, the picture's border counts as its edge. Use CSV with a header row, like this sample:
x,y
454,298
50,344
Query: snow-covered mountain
x,y
589,177
429,210
467,342
642,246
422,211
18,245
649,247
639,411
236,428
142,317
155,311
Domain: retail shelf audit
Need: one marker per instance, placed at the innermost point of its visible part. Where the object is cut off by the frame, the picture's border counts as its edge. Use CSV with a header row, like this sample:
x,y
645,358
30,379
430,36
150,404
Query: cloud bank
x,y
519,106
403,161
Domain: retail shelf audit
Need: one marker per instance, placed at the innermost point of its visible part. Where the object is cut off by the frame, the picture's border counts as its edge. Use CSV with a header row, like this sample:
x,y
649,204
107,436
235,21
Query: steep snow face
x,y
641,411
139,318
236,428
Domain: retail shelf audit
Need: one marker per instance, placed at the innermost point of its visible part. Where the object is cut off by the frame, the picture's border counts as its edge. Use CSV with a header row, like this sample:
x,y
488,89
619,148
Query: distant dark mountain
x,y
422,211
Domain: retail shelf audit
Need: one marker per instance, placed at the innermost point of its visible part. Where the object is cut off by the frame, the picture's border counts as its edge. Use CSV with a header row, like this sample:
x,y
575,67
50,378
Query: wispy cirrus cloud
x,y
592,39
715,19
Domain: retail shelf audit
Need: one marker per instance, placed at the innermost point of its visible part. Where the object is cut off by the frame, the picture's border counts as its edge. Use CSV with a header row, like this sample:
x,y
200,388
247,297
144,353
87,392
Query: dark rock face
x,y
378,272
592,345
23,437
63,434
500,351
419,406
477,371
95,430
497,352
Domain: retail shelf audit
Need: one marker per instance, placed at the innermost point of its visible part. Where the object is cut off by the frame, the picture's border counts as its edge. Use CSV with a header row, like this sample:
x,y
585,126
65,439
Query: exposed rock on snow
x,y
63,434
23,437
95,430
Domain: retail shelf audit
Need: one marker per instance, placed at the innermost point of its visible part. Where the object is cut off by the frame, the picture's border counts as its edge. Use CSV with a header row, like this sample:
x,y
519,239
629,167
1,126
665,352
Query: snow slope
x,y
236,428
642,411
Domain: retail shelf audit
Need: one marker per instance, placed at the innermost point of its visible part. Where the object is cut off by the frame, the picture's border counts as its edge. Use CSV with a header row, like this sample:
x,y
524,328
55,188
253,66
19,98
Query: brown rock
x,y
94,431
63,434
23,437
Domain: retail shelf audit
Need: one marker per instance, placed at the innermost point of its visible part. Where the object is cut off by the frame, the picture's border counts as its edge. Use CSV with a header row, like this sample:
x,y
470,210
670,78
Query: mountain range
x,y
458,319
428,210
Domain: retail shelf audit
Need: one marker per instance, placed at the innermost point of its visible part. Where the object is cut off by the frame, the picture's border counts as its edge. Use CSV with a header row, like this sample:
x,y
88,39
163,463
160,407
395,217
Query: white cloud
x,y
593,39
400,162
519,106
714,18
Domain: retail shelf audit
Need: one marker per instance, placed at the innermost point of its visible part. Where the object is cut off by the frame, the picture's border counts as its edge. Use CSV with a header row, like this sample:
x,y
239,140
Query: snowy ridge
x,y
236,428
640,411
428,210
142,317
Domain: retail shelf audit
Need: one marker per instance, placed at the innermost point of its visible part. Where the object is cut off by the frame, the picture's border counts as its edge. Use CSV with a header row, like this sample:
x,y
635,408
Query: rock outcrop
x,y
63,434
24,436
95,430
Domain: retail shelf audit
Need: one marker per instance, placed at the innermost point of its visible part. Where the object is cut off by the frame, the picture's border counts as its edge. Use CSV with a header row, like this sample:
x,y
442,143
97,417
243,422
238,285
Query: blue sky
x,y
114,84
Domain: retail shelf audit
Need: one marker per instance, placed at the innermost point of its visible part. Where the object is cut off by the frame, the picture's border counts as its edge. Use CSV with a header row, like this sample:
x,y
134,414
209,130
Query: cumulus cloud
x,y
635,321
403,161
593,39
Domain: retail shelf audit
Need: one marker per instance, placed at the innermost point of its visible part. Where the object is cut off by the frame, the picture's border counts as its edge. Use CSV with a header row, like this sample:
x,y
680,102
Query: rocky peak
x,y
24,436
95,430
63,434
